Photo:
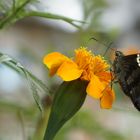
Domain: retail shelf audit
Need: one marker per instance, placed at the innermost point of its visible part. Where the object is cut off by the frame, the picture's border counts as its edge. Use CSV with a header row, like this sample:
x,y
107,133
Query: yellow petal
x,y
95,87
69,71
107,99
105,76
53,61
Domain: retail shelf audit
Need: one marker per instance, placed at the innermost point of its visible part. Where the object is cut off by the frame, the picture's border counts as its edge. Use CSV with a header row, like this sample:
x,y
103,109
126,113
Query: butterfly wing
x,y
127,72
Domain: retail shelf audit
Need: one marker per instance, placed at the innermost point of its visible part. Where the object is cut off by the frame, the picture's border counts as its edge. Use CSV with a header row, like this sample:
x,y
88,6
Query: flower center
x,y
89,63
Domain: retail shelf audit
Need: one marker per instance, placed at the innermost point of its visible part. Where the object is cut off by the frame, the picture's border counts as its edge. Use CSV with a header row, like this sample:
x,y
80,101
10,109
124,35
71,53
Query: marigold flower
x,y
84,66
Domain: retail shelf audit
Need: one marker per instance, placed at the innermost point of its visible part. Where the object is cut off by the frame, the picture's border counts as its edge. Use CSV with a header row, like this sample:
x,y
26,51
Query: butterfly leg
x,y
113,78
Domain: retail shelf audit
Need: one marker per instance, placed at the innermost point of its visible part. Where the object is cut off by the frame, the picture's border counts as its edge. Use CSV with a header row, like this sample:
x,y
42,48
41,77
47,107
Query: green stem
x,y
53,16
41,125
13,14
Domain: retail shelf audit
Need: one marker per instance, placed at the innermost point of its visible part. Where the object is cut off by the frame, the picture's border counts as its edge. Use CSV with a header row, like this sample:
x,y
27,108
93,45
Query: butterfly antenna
x,y
107,46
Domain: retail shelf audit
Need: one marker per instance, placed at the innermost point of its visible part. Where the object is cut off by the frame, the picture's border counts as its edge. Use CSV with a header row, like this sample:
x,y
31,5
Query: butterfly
x,y
126,69
127,72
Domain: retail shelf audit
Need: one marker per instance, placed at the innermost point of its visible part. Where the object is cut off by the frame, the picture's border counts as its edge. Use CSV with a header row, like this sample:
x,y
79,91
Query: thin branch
x,y
53,16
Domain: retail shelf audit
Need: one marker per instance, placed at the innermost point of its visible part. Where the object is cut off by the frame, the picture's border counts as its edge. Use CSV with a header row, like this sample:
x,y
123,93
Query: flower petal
x,y
53,61
105,76
69,71
95,87
107,99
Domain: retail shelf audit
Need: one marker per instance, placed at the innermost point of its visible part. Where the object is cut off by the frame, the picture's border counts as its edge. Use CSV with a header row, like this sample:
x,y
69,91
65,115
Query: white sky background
x,y
118,15
68,8
9,80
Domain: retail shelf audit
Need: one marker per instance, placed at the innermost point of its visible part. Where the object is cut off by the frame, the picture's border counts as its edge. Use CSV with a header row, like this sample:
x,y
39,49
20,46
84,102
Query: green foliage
x,y
34,82
14,10
67,101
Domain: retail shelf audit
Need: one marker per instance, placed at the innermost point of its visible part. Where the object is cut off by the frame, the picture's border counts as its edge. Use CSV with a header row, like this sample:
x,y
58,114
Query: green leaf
x,y
36,96
67,101
34,82
4,58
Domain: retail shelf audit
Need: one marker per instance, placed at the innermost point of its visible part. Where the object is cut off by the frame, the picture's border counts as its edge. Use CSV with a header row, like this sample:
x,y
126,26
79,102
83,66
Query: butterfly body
x,y
127,72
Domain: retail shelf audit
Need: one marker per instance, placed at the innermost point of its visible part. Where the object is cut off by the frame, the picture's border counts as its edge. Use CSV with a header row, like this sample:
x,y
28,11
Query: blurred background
x,y
29,39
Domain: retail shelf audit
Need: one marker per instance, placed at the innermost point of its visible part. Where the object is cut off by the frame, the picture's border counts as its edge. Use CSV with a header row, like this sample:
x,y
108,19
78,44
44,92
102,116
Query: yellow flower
x,y
84,66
